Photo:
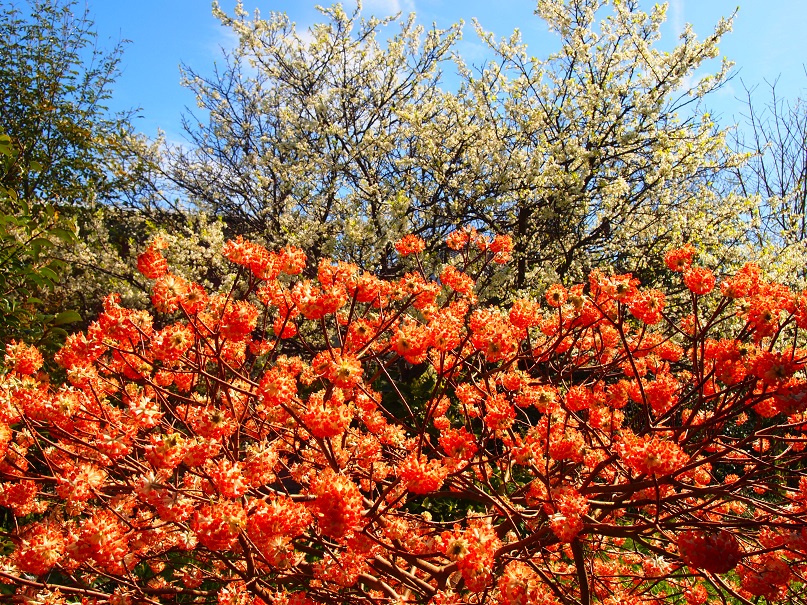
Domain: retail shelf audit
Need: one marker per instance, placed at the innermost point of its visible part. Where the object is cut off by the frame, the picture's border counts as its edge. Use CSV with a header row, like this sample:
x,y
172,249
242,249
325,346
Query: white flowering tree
x,y
615,158
308,138
336,141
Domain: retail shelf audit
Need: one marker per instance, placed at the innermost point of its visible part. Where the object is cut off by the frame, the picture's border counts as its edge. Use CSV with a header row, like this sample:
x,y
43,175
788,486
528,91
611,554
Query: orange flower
x,y
337,504
151,263
292,260
716,552
567,509
457,281
344,370
680,259
168,291
647,306
651,455
239,320
556,296
42,546
502,248
411,341
263,264
525,313
410,244
278,516
458,443
578,398
499,412
473,549
493,334
462,238
422,476
102,539
699,280
24,359
172,342
327,418
277,387
227,478
217,525
744,283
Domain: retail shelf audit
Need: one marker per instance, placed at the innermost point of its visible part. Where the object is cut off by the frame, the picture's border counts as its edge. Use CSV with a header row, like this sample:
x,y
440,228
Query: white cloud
x,y
384,8
305,35
677,16
224,38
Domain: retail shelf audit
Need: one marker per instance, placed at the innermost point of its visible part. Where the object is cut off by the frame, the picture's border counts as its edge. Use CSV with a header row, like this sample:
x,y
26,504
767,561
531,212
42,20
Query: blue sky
x,y
767,43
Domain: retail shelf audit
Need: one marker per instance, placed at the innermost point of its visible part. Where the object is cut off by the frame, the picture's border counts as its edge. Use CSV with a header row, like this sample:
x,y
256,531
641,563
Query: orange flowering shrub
x,y
320,435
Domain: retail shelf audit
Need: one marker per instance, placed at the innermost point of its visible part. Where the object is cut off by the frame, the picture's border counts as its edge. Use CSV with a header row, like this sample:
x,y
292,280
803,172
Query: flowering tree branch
x,y
347,438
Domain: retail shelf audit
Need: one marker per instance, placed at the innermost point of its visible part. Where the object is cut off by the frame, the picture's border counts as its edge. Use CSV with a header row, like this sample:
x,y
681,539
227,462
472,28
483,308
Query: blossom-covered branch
x,y
346,438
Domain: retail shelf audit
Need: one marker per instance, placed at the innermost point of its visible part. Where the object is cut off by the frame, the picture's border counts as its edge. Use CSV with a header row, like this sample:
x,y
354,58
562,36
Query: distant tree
x,y
338,142
71,154
612,156
774,135
54,81
308,138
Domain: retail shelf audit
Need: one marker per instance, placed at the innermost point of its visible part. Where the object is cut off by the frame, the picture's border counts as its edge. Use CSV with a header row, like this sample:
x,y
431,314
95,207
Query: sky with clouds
x,y
767,43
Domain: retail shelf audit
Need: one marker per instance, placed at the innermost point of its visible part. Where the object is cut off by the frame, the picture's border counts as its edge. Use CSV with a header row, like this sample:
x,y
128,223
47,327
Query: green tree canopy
x,y
54,82
27,235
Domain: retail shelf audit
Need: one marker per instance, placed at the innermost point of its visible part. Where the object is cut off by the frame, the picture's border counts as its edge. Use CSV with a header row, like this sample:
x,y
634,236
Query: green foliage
x,y
67,157
53,84
28,234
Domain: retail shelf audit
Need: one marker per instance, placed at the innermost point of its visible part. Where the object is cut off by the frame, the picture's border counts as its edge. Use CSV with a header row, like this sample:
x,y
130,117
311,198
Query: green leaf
x,y
66,317
58,332
49,274
63,234
36,279
42,242
37,244
6,146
